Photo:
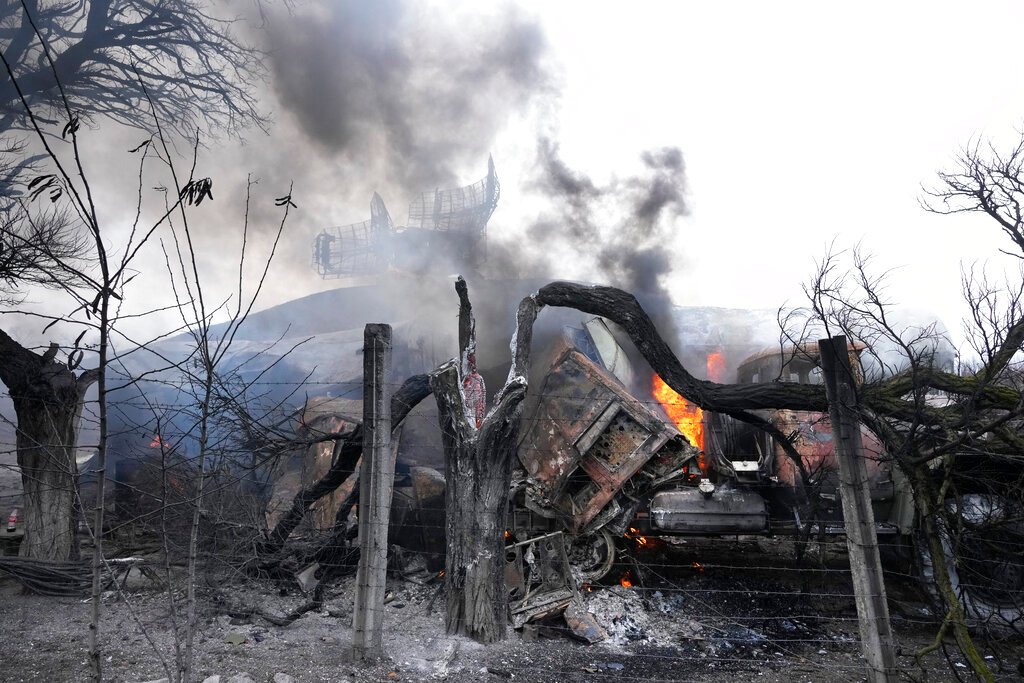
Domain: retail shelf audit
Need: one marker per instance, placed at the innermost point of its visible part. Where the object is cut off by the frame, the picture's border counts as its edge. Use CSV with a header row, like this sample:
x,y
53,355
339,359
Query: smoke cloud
x,y
619,233
399,86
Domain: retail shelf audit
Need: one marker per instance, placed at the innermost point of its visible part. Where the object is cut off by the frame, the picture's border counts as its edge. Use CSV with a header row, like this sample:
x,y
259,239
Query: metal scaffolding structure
x,y
452,222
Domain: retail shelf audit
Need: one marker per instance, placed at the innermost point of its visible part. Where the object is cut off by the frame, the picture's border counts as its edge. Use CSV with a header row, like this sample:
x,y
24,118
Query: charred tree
x,y
478,471
48,398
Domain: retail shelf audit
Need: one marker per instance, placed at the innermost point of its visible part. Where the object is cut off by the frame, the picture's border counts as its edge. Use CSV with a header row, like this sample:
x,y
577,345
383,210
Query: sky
x,y
802,124
711,151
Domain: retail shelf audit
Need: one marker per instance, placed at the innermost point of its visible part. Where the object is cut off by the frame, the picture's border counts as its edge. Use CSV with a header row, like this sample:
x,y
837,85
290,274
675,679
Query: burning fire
x,y
686,416
627,579
641,541
716,366
158,442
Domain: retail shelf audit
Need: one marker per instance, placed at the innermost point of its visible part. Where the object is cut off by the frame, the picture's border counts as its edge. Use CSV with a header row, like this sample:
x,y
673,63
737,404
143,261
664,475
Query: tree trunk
x,y
478,474
47,400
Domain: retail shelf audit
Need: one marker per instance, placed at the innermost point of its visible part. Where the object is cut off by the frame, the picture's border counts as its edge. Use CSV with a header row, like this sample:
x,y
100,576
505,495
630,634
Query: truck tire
x,y
592,556
984,552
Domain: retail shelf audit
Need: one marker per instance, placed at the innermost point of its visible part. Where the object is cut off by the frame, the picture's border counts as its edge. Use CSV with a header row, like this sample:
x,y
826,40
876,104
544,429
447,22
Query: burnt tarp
x,y
319,417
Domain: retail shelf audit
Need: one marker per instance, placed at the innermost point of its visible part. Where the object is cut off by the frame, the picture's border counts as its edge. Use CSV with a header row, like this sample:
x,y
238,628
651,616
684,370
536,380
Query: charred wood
x,y
478,472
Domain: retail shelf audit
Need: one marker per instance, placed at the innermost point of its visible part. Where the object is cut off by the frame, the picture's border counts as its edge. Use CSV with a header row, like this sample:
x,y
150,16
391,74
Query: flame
x,y
508,534
158,442
686,416
626,581
634,534
699,567
716,366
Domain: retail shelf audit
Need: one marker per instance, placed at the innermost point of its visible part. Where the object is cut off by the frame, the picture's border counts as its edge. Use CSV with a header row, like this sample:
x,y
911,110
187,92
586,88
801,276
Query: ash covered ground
x,y
698,611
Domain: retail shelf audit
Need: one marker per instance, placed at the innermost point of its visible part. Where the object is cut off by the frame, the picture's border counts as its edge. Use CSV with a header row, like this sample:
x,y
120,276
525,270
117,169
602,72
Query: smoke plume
x,y
619,233
399,86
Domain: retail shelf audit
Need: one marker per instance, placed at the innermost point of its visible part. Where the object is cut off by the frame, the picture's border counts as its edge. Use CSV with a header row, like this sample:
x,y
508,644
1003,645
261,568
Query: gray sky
x,y
800,123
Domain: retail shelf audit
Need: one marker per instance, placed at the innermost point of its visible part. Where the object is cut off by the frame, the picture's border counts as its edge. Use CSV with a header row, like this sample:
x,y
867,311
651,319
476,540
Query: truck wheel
x,y
592,556
984,560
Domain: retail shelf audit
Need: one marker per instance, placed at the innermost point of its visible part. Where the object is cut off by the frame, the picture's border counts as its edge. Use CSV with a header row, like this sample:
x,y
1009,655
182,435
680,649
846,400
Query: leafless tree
x,y
154,65
62,64
109,58
33,247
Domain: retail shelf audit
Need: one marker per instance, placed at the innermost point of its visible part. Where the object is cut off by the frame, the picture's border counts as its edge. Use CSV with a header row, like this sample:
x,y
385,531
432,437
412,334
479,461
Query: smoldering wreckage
x,y
609,461
601,470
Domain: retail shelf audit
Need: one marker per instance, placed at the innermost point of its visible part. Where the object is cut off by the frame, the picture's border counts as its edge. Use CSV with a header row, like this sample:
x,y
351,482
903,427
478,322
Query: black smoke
x,y
623,228
404,88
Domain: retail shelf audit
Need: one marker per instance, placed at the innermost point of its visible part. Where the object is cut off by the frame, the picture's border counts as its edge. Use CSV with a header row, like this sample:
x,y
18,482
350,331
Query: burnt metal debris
x,y
603,466
450,222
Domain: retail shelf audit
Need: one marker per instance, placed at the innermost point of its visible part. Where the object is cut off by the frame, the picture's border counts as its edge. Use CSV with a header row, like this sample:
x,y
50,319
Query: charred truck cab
x,y
602,454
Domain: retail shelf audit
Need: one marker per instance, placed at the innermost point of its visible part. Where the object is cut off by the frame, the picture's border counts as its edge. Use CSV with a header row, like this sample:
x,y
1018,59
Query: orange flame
x,y
626,581
699,567
686,416
158,442
716,366
641,541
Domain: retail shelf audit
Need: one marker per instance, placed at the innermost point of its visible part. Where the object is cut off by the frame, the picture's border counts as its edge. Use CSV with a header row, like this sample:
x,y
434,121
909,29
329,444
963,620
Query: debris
x,y
307,578
338,612
621,613
583,625
283,678
539,578
243,677
212,679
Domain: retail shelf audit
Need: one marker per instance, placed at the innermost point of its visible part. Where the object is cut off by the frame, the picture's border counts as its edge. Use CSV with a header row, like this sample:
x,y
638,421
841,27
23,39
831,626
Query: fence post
x,y
376,482
859,520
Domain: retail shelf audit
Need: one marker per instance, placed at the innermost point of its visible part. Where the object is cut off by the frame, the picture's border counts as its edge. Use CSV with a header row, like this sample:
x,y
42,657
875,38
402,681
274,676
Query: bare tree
x,y
479,458
108,58
145,64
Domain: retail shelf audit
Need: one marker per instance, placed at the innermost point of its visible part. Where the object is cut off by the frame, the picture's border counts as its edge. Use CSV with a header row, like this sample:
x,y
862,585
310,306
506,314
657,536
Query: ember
x,y
699,567
686,416
627,579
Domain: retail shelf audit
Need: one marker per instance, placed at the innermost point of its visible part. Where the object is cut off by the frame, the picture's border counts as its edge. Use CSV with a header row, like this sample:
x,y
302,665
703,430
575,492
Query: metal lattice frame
x,y
461,209
456,218
356,249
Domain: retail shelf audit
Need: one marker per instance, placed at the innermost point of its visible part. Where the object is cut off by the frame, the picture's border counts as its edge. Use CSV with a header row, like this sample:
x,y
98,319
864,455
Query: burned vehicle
x,y
598,463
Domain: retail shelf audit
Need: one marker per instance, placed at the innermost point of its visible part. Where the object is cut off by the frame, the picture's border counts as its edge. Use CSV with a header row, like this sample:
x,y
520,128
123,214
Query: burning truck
x,y
598,463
